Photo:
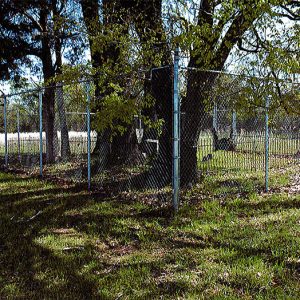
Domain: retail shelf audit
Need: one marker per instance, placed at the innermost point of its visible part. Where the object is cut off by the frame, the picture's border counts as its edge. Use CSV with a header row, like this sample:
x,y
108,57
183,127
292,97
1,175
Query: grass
x,y
250,152
228,241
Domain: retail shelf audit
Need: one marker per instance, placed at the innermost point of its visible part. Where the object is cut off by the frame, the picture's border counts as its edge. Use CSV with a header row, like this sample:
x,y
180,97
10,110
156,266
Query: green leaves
x,y
116,111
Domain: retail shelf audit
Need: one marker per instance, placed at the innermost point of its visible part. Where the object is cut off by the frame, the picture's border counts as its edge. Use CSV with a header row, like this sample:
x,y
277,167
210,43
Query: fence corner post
x,y
267,144
41,130
88,121
176,134
5,130
18,129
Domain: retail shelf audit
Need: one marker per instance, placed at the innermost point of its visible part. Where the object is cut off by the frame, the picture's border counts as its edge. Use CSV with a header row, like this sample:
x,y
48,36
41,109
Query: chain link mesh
x,y
222,128
22,132
70,135
138,161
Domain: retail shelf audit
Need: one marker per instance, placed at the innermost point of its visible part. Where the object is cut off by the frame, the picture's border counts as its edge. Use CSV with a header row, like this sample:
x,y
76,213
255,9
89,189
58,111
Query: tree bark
x,y
64,132
49,93
194,119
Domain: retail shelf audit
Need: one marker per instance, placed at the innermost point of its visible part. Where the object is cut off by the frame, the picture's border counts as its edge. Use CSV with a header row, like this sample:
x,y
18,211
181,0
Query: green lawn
x,y
229,241
250,152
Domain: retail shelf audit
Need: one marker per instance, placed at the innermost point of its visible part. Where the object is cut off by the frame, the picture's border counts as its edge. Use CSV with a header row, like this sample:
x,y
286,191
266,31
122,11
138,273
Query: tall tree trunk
x,y
162,92
194,119
114,12
49,93
90,10
49,118
149,26
48,102
64,132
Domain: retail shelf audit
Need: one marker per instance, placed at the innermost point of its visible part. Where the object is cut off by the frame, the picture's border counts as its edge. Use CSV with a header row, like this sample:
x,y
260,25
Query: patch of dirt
x,y
124,250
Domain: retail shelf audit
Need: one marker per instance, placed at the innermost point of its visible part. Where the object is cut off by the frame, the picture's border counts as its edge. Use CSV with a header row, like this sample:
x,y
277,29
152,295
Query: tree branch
x,y
290,14
36,24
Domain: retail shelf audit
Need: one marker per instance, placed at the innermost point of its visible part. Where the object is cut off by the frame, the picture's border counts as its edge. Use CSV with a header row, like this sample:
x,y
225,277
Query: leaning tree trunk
x,y
194,119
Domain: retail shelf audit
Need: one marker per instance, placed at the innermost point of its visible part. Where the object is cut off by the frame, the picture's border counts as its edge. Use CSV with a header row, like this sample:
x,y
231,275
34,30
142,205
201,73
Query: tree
x,y
221,26
126,35
104,37
107,44
37,28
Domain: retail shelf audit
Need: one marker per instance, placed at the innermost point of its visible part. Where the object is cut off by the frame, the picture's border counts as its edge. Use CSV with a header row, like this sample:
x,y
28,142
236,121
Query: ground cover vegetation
x,y
229,239
60,241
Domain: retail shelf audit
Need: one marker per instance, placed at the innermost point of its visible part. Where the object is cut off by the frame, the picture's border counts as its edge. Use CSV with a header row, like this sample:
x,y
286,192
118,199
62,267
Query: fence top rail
x,y
89,80
241,75
42,88
78,113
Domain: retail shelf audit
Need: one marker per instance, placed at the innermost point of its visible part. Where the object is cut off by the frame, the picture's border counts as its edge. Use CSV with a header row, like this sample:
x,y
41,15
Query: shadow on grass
x,y
29,269
36,262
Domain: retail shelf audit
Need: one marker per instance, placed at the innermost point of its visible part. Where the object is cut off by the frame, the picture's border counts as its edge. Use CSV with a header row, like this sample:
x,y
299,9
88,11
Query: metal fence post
x,y
176,133
41,131
267,145
215,116
19,143
88,120
5,131
234,129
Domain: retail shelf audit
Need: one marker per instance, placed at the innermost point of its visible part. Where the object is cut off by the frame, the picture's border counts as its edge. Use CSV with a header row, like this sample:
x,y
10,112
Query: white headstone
x,y
139,134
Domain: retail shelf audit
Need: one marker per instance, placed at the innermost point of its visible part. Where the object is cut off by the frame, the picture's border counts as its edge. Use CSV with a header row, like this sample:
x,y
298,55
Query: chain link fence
x,y
19,147
131,154
127,140
238,127
138,157
70,139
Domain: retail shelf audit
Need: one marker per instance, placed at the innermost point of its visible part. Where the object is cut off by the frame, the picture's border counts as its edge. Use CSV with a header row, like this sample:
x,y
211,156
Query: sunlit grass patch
x,y
230,240
69,241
